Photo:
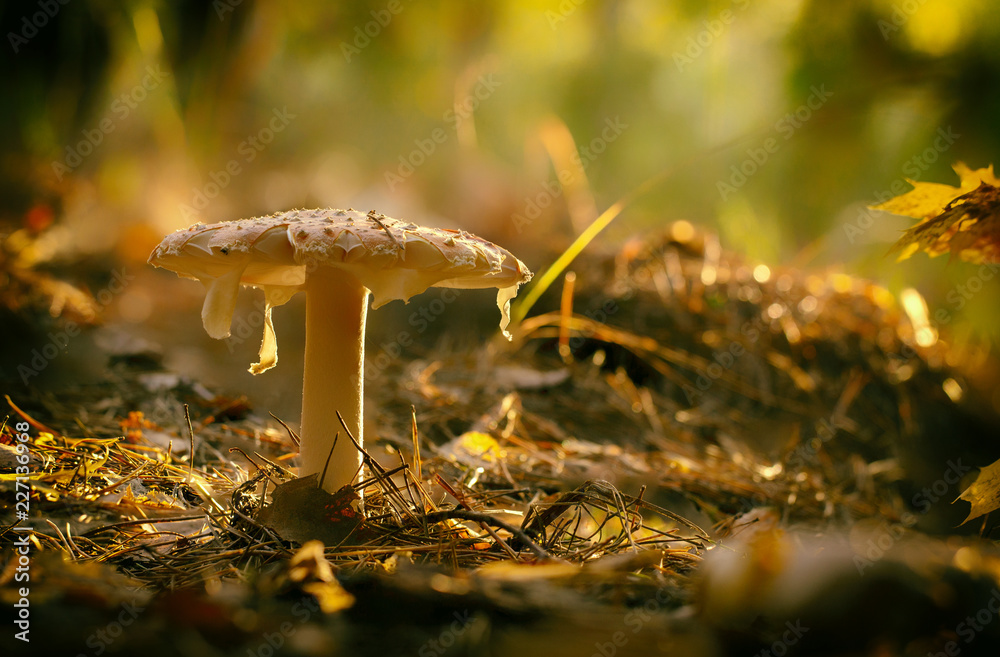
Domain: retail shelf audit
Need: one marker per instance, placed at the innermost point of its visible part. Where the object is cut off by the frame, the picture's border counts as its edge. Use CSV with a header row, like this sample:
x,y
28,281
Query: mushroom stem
x,y
336,308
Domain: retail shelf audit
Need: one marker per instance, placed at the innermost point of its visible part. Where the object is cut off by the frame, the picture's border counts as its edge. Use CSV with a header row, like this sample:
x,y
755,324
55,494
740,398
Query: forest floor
x,y
692,456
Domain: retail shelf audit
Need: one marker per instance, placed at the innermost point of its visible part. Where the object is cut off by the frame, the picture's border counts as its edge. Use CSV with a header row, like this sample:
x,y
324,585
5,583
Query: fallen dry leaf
x,y
963,221
984,493
310,568
926,199
475,449
302,511
969,228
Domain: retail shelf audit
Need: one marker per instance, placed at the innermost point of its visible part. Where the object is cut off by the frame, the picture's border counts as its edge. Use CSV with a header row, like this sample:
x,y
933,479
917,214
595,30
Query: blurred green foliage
x,y
442,113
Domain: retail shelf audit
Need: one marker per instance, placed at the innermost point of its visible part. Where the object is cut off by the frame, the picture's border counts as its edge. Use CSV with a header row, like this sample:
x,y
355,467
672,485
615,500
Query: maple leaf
x,y
962,221
984,493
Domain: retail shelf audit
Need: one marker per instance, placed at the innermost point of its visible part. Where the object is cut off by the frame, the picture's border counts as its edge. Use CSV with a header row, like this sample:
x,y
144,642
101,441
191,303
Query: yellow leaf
x,y
474,448
927,199
331,596
310,563
922,202
963,221
310,567
969,228
984,493
972,177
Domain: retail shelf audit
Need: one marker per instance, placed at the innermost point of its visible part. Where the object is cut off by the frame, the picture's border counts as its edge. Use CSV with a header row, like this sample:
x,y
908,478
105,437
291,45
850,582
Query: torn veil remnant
x,y
337,257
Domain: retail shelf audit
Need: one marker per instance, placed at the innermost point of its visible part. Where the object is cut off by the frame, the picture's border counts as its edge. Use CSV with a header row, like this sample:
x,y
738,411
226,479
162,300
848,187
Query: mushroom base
x,y
336,310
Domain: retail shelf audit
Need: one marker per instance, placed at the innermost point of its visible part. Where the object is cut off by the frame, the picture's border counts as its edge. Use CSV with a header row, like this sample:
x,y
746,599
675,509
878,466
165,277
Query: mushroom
x,y
337,257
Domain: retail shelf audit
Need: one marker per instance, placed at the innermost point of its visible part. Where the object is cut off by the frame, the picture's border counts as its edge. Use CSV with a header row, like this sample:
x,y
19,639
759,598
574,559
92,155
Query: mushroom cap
x,y
393,259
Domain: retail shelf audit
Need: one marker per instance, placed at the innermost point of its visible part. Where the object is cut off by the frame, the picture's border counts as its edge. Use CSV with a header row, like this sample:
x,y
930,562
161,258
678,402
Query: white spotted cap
x,y
393,259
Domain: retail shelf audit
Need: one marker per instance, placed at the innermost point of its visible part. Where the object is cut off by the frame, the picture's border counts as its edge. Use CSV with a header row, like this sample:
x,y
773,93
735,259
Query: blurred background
x,y
771,122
